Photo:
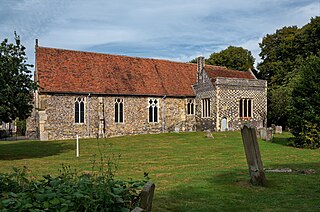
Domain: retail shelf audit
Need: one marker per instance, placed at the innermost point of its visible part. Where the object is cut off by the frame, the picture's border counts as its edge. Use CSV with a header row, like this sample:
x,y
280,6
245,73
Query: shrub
x,y
21,127
70,191
304,119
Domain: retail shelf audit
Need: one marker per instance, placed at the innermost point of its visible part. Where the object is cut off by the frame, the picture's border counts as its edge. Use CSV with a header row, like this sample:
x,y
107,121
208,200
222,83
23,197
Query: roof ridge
x,y
216,66
224,67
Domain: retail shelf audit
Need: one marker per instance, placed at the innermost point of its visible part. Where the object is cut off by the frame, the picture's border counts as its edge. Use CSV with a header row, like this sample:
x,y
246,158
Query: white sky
x,y
177,30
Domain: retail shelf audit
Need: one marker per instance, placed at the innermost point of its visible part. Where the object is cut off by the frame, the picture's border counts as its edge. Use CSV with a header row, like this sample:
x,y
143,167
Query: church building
x,y
102,95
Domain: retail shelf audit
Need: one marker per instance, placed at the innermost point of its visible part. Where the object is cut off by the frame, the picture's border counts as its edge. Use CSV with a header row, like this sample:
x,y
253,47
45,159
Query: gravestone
x,y
269,134
251,147
278,130
146,198
263,133
208,134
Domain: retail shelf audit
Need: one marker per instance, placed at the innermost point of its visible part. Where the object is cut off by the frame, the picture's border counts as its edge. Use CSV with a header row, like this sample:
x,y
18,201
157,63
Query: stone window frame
x,y
153,117
118,114
190,107
206,108
78,101
245,108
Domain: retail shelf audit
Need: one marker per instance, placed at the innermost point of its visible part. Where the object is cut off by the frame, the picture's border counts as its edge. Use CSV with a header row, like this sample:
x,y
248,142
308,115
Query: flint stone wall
x,y
225,95
229,94
205,90
56,115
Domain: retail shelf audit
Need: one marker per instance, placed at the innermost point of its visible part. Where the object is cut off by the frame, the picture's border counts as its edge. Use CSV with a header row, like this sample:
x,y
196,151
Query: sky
x,y
177,30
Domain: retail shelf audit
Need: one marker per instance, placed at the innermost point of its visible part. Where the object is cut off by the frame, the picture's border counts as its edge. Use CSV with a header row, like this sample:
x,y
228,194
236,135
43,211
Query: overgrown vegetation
x,y
70,191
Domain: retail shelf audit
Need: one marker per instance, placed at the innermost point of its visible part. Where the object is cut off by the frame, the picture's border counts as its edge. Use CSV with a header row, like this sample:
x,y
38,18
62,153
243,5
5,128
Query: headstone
x,y
147,197
269,134
263,133
251,147
278,130
137,209
208,134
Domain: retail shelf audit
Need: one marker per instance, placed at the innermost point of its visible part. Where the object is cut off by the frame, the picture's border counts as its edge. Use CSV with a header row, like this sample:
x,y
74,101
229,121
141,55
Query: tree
x,y
16,85
304,111
278,55
236,58
307,38
282,53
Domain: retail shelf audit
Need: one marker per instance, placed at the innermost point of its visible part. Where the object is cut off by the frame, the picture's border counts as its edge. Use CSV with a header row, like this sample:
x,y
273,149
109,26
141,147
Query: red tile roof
x,y
83,72
67,71
220,71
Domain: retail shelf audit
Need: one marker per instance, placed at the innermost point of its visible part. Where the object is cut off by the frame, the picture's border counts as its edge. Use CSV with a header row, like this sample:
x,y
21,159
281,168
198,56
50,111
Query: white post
x,y
77,146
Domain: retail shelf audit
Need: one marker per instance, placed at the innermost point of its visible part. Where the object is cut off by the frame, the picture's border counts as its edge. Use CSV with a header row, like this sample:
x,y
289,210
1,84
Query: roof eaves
x,y
113,94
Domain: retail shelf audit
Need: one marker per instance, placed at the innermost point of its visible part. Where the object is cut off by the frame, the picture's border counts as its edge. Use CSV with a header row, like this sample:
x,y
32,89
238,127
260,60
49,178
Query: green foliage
x,y
304,110
193,60
282,53
307,38
280,97
16,85
278,55
191,172
70,191
236,58
21,127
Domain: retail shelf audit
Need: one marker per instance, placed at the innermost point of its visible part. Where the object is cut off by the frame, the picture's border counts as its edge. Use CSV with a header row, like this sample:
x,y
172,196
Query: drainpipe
x,y
88,106
163,105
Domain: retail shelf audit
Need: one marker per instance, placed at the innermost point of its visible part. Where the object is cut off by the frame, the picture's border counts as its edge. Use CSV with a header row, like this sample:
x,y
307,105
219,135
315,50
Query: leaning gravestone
x,y
251,147
146,198
208,134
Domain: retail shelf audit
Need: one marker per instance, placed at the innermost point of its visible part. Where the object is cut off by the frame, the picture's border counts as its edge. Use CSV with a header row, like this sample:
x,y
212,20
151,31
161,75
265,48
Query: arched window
x,y
79,110
153,110
118,110
190,107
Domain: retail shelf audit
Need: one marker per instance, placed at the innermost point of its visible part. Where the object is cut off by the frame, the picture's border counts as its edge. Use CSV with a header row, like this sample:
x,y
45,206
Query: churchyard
x,y
191,171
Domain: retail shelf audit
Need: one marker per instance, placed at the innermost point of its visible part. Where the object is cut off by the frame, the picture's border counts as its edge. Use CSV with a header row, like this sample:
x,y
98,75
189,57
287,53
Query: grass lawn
x,y
191,172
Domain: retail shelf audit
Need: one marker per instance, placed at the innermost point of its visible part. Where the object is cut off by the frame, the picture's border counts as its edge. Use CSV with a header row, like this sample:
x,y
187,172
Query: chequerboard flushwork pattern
x,y
225,95
230,92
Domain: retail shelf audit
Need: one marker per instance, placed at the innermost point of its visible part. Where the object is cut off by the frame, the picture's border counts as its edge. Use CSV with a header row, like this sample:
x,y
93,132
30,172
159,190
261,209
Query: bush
x,y
309,137
304,110
21,127
97,191
4,134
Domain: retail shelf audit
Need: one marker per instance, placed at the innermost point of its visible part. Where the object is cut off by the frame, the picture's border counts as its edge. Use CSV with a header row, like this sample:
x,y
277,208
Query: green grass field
x,y
191,172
